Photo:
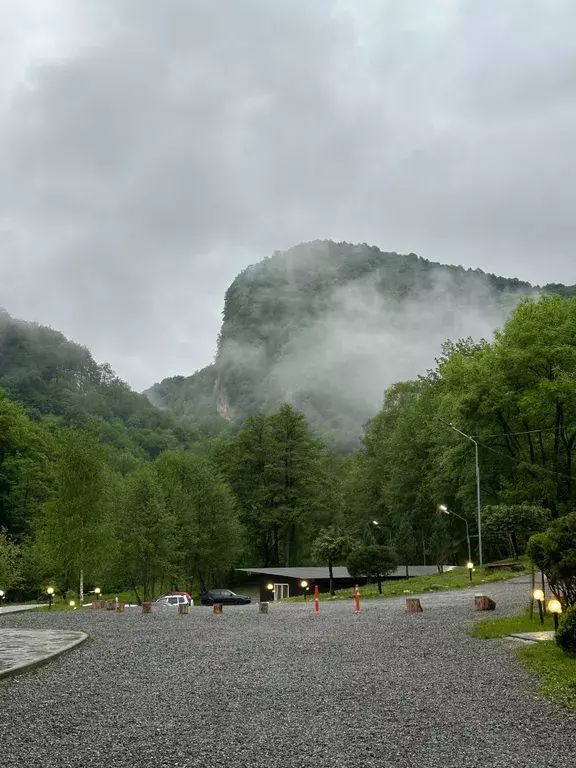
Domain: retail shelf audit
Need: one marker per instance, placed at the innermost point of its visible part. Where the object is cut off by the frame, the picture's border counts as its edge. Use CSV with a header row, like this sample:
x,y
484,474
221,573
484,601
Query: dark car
x,y
224,597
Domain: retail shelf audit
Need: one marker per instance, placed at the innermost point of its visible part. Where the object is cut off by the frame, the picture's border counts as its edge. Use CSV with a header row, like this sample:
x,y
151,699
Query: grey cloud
x,y
167,145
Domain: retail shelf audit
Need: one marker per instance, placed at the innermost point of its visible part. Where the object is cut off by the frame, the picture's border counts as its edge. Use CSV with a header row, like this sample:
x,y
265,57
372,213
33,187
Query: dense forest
x,y
327,326
97,485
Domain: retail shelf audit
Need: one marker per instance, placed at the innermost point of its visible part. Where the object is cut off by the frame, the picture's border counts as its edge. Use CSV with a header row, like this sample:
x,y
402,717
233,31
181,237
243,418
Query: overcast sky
x,y
150,149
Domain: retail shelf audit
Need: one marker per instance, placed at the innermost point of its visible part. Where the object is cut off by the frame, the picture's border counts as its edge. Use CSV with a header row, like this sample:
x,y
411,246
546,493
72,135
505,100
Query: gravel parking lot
x,y
287,690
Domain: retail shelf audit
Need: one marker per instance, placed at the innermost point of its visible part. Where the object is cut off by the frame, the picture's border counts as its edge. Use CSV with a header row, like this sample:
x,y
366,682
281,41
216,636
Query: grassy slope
x,y
555,669
457,579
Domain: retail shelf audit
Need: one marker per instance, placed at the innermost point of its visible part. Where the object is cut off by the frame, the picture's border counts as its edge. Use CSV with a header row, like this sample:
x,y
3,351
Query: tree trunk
x,y
331,578
514,542
81,590
407,574
379,579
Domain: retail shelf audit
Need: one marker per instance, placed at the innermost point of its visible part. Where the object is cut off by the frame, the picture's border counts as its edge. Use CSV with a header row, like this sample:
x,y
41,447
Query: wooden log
x,y
413,605
110,605
120,607
97,604
183,609
146,607
263,607
483,603
217,608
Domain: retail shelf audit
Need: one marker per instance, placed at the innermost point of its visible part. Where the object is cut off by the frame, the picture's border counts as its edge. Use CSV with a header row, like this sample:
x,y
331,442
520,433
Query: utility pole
x,y
478,503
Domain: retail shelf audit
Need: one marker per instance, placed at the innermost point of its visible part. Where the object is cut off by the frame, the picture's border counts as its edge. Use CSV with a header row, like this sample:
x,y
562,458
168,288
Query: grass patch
x,y
511,625
556,670
456,579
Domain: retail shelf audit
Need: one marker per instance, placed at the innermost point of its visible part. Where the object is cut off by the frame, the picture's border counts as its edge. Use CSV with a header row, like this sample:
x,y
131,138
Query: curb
x,y
27,666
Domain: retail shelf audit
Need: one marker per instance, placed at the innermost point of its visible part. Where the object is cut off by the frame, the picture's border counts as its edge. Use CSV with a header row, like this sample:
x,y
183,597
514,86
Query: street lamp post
x,y
479,508
444,508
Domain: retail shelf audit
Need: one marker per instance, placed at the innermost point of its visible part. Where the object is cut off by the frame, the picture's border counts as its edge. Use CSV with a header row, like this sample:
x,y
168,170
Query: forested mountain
x,y
59,381
328,327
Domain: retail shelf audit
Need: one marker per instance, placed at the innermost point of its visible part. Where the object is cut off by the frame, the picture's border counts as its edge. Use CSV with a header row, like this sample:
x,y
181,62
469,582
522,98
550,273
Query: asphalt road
x,y
286,690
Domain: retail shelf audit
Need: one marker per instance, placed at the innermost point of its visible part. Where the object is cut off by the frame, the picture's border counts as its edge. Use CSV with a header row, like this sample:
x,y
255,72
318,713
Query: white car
x,y
174,600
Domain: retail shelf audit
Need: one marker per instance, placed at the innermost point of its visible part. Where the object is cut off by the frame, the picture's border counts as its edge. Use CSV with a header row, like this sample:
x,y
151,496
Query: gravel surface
x,y
286,690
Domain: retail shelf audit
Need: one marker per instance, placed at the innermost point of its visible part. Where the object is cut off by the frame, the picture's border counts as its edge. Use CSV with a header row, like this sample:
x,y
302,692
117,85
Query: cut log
x,y
413,605
120,607
110,605
217,608
97,604
263,607
183,609
146,607
484,603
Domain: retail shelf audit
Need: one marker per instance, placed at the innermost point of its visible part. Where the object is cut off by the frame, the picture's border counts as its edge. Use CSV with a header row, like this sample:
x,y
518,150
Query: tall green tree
x,y
11,565
148,534
330,547
405,544
203,507
76,529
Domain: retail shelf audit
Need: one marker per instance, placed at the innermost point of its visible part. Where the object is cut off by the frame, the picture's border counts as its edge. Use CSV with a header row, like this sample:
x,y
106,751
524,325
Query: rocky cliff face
x,y
328,326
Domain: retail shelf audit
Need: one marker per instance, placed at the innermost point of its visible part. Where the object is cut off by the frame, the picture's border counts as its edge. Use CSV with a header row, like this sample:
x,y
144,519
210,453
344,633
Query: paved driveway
x,y
289,689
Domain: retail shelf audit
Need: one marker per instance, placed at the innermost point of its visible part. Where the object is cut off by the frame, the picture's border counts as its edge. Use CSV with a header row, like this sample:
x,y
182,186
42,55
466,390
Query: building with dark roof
x,y
279,583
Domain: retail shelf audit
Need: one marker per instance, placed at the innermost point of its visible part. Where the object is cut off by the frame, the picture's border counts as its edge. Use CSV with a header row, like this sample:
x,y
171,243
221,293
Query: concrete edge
x,y
27,666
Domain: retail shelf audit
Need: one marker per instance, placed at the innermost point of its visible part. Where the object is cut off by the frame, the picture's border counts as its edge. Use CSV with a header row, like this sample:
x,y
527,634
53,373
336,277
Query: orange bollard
x,y
357,599
315,590
316,606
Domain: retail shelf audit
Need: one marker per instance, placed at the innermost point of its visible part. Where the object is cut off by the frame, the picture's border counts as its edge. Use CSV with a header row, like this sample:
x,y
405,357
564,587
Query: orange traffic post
x,y
357,599
315,590
316,606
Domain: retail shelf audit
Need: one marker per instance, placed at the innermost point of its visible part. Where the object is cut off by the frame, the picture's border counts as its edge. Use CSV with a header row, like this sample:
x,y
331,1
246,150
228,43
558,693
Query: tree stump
x,y
146,607
413,605
183,609
483,603
120,607
263,607
110,605
217,608
97,604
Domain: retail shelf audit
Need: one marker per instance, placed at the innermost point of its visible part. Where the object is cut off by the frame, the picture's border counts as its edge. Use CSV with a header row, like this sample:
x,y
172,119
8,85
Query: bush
x,y
554,553
566,632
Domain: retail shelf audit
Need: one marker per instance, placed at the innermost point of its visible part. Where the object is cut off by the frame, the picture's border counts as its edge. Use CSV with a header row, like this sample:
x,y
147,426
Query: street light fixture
x,y
479,510
97,592
50,593
470,566
1,596
555,608
444,508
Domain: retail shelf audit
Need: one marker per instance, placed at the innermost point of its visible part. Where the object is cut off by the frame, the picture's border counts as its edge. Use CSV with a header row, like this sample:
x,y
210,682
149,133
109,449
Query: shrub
x,y
554,553
566,632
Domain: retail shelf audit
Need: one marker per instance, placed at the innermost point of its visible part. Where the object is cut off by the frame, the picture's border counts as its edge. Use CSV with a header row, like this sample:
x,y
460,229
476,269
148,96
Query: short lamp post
x,y
97,592
555,608
1,597
470,566
50,593
538,595
72,603
270,587
304,585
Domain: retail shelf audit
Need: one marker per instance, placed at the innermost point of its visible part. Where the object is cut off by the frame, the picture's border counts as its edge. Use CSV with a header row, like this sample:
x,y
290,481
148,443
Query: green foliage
x,y
441,544
204,510
405,543
566,632
373,562
330,547
11,568
75,531
554,553
280,475
511,625
147,533
510,526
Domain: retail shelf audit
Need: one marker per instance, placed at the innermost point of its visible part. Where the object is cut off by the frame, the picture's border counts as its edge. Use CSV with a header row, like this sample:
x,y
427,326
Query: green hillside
x,y
328,326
